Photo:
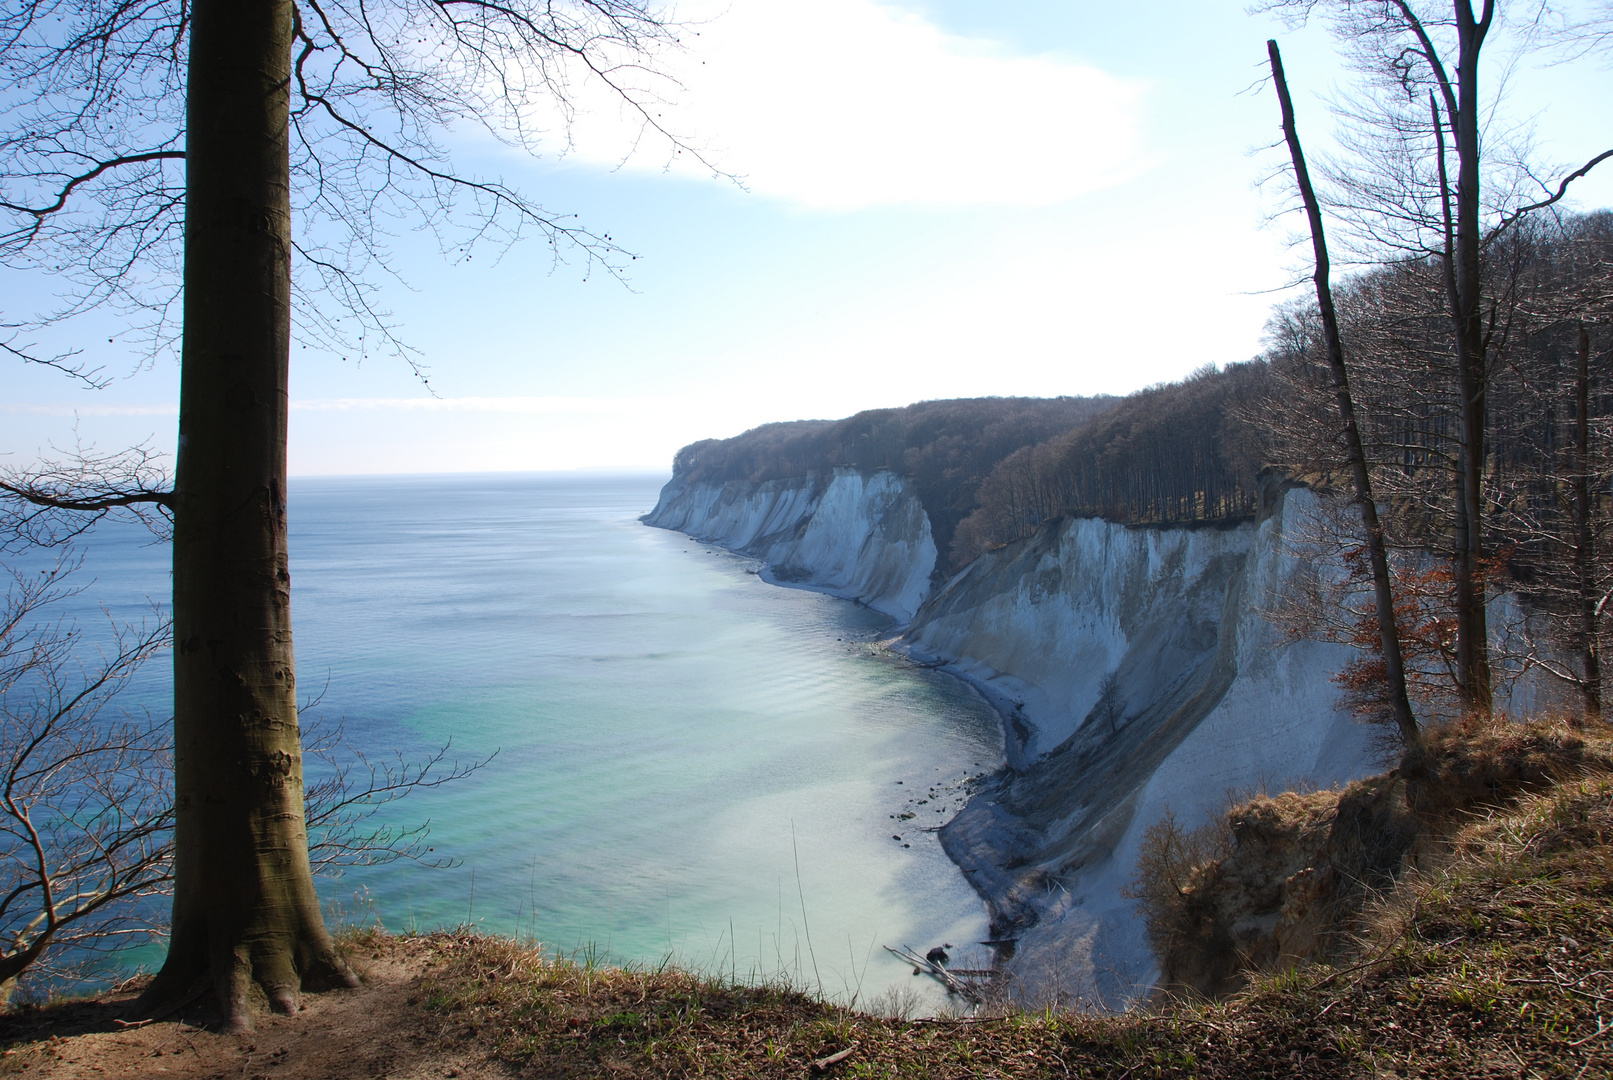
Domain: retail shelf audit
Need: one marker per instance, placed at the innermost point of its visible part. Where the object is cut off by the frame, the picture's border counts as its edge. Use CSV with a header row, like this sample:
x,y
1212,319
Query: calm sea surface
x,y
689,762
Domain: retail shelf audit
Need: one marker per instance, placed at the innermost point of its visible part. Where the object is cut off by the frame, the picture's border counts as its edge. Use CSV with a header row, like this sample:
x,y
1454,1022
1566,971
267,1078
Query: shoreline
x,y
969,854
1011,717
1012,721
975,843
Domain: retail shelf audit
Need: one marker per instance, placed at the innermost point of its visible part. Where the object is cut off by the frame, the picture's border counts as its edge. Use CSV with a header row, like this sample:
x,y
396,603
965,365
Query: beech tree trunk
x,y
245,913
1465,271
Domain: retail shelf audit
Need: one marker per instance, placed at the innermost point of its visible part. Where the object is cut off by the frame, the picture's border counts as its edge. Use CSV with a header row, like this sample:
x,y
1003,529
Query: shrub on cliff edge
x,y
1282,880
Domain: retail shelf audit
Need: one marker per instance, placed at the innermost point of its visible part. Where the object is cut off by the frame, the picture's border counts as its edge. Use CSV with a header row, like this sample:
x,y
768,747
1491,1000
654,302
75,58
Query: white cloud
x,y
526,406
847,104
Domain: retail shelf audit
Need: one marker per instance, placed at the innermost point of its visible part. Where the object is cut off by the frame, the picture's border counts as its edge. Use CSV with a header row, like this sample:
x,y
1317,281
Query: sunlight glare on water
x,y
673,735
690,763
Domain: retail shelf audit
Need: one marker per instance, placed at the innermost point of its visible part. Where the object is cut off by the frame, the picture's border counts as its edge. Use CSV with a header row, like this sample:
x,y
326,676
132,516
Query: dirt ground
x,y
379,1030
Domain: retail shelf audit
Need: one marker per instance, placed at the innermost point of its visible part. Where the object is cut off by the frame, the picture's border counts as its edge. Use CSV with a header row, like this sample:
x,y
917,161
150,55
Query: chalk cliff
x,y
861,536
1138,673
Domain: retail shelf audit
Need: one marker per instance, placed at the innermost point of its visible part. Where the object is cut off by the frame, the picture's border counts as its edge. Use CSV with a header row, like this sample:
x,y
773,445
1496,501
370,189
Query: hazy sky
x,y
940,198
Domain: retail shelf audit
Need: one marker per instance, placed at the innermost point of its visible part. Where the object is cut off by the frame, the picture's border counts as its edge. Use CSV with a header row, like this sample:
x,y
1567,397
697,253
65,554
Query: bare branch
x,y
1562,190
84,819
91,378
86,788
343,804
376,88
83,178
53,502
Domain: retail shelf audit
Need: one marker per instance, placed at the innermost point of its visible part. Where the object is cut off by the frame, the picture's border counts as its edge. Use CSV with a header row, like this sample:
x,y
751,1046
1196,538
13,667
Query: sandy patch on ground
x,y
378,1030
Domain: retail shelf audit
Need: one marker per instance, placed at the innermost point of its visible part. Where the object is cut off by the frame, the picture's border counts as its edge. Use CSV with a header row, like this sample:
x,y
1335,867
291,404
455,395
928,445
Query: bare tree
x,y
1552,464
85,806
1548,431
1111,706
1563,535
201,156
93,146
1394,668
1420,114
344,804
1333,598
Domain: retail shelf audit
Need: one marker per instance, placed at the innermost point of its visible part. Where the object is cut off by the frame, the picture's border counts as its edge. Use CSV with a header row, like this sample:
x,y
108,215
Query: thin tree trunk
x,y
1461,530
1382,588
245,913
1584,566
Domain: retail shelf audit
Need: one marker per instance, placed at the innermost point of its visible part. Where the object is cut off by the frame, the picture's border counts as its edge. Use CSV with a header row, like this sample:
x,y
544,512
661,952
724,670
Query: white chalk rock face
x,y
863,537
1140,674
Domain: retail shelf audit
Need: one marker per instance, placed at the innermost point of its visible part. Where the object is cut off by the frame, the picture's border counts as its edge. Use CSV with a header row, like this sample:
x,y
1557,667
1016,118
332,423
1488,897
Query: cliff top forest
x,y
946,448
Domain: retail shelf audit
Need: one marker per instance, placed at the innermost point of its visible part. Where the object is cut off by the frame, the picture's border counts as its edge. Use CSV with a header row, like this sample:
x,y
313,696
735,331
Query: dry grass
x,y
1497,965
1280,880
1479,764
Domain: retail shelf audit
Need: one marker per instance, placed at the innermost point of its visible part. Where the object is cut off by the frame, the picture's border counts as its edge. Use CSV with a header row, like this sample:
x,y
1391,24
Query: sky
x,y
925,199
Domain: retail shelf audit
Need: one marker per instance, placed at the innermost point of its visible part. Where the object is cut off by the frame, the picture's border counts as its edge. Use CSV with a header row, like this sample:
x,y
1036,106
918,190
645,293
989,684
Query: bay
x,y
684,763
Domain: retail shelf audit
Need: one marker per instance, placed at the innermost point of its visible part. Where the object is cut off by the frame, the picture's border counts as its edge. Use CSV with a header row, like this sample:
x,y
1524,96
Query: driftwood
x,y
952,980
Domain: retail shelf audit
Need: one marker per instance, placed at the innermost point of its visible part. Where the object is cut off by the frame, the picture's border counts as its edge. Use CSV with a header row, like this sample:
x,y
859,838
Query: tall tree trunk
x,y
1584,564
245,913
1472,376
1382,589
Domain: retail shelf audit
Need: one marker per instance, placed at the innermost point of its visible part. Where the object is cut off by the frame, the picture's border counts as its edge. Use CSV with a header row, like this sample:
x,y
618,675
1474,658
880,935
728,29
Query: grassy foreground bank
x,y
1499,964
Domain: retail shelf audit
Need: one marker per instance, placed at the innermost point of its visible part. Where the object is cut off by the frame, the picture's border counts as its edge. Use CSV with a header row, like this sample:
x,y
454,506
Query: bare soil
x,y
379,1030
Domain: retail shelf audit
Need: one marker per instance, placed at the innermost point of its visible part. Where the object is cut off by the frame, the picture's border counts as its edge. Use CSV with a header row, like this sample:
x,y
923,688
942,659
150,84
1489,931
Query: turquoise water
x,y
688,762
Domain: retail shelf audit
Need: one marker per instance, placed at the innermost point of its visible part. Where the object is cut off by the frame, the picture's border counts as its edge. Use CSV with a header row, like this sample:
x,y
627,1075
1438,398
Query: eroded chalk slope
x,y
1141,675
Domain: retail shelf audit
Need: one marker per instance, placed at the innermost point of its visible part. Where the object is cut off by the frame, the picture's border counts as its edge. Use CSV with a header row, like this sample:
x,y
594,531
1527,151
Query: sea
x,y
676,761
